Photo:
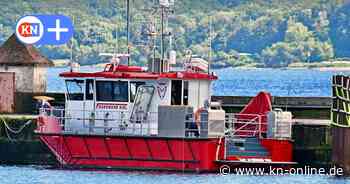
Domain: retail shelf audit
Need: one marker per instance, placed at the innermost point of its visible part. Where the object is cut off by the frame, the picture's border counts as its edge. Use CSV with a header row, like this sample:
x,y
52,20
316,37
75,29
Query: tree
x,y
297,32
278,55
300,45
340,31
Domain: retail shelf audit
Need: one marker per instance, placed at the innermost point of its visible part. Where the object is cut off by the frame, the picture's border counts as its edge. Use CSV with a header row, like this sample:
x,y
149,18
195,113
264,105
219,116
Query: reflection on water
x,y
248,82
40,175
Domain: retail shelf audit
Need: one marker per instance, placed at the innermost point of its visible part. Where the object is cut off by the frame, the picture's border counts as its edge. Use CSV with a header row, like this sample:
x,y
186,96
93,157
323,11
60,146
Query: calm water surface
x,y
40,175
248,82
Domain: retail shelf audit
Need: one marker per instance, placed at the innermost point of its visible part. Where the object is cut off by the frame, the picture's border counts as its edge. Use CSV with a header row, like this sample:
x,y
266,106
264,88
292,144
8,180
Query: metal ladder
x,y
247,146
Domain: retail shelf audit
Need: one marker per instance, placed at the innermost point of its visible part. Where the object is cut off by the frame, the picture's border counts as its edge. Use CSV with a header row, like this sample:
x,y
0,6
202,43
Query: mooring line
x,y
8,128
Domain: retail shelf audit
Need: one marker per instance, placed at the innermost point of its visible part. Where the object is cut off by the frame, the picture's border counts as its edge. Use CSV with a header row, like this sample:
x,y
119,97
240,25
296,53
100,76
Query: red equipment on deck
x,y
258,107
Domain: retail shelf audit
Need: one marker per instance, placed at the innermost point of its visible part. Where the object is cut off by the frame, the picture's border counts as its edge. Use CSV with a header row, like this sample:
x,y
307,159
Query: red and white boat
x,y
126,117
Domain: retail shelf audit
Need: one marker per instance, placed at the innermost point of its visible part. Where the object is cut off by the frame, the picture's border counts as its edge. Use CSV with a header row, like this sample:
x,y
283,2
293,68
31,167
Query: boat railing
x,y
234,125
102,121
121,122
245,125
116,122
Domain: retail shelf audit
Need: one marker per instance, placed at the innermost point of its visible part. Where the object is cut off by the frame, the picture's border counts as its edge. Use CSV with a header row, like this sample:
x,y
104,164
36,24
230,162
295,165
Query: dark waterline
x,y
40,175
248,82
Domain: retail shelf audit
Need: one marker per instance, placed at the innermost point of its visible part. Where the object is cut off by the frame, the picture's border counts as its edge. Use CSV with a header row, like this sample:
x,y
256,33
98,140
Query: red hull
x,y
127,152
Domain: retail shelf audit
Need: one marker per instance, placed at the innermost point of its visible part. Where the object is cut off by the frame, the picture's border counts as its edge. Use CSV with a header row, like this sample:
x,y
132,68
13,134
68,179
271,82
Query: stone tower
x,y
27,63
30,72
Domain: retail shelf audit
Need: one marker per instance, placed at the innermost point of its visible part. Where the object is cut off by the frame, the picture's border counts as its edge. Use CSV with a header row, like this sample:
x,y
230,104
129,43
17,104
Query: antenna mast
x,y
116,46
71,50
210,43
165,8
162,32
128,28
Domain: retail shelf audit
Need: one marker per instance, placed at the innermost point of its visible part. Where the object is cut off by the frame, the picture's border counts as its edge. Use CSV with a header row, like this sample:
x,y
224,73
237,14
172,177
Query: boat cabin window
x,y
133,89
111,91
89,89
185,93
179,92
176,90
75,90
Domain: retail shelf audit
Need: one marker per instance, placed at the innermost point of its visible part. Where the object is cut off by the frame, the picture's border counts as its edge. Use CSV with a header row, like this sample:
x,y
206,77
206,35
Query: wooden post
x,y
340,118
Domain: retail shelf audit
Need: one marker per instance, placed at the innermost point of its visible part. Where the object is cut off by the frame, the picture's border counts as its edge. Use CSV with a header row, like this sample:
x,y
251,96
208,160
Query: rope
x,y
8,129
8,135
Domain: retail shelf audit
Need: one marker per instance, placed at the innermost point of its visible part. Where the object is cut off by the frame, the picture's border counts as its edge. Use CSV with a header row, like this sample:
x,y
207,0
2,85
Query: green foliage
x,y
299,45
281,32
278,55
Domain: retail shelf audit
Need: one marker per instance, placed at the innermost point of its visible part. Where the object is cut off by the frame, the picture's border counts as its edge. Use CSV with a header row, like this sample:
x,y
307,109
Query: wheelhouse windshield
x,y
75,90
112,91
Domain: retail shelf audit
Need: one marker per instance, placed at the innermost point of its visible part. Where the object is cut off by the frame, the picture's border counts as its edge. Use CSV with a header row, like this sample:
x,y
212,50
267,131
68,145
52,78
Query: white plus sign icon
x,y
57,30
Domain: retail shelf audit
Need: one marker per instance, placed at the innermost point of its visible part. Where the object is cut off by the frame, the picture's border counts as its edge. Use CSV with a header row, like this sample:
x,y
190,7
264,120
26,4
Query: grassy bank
x,y
60,62
326,64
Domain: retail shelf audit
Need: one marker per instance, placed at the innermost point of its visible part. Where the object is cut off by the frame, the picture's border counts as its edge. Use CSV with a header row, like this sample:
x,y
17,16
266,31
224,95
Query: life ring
x,y
197,116
40,123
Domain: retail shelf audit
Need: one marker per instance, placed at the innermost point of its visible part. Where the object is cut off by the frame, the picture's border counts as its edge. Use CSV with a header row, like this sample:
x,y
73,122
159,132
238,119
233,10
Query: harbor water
x,y
41,175
248,82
